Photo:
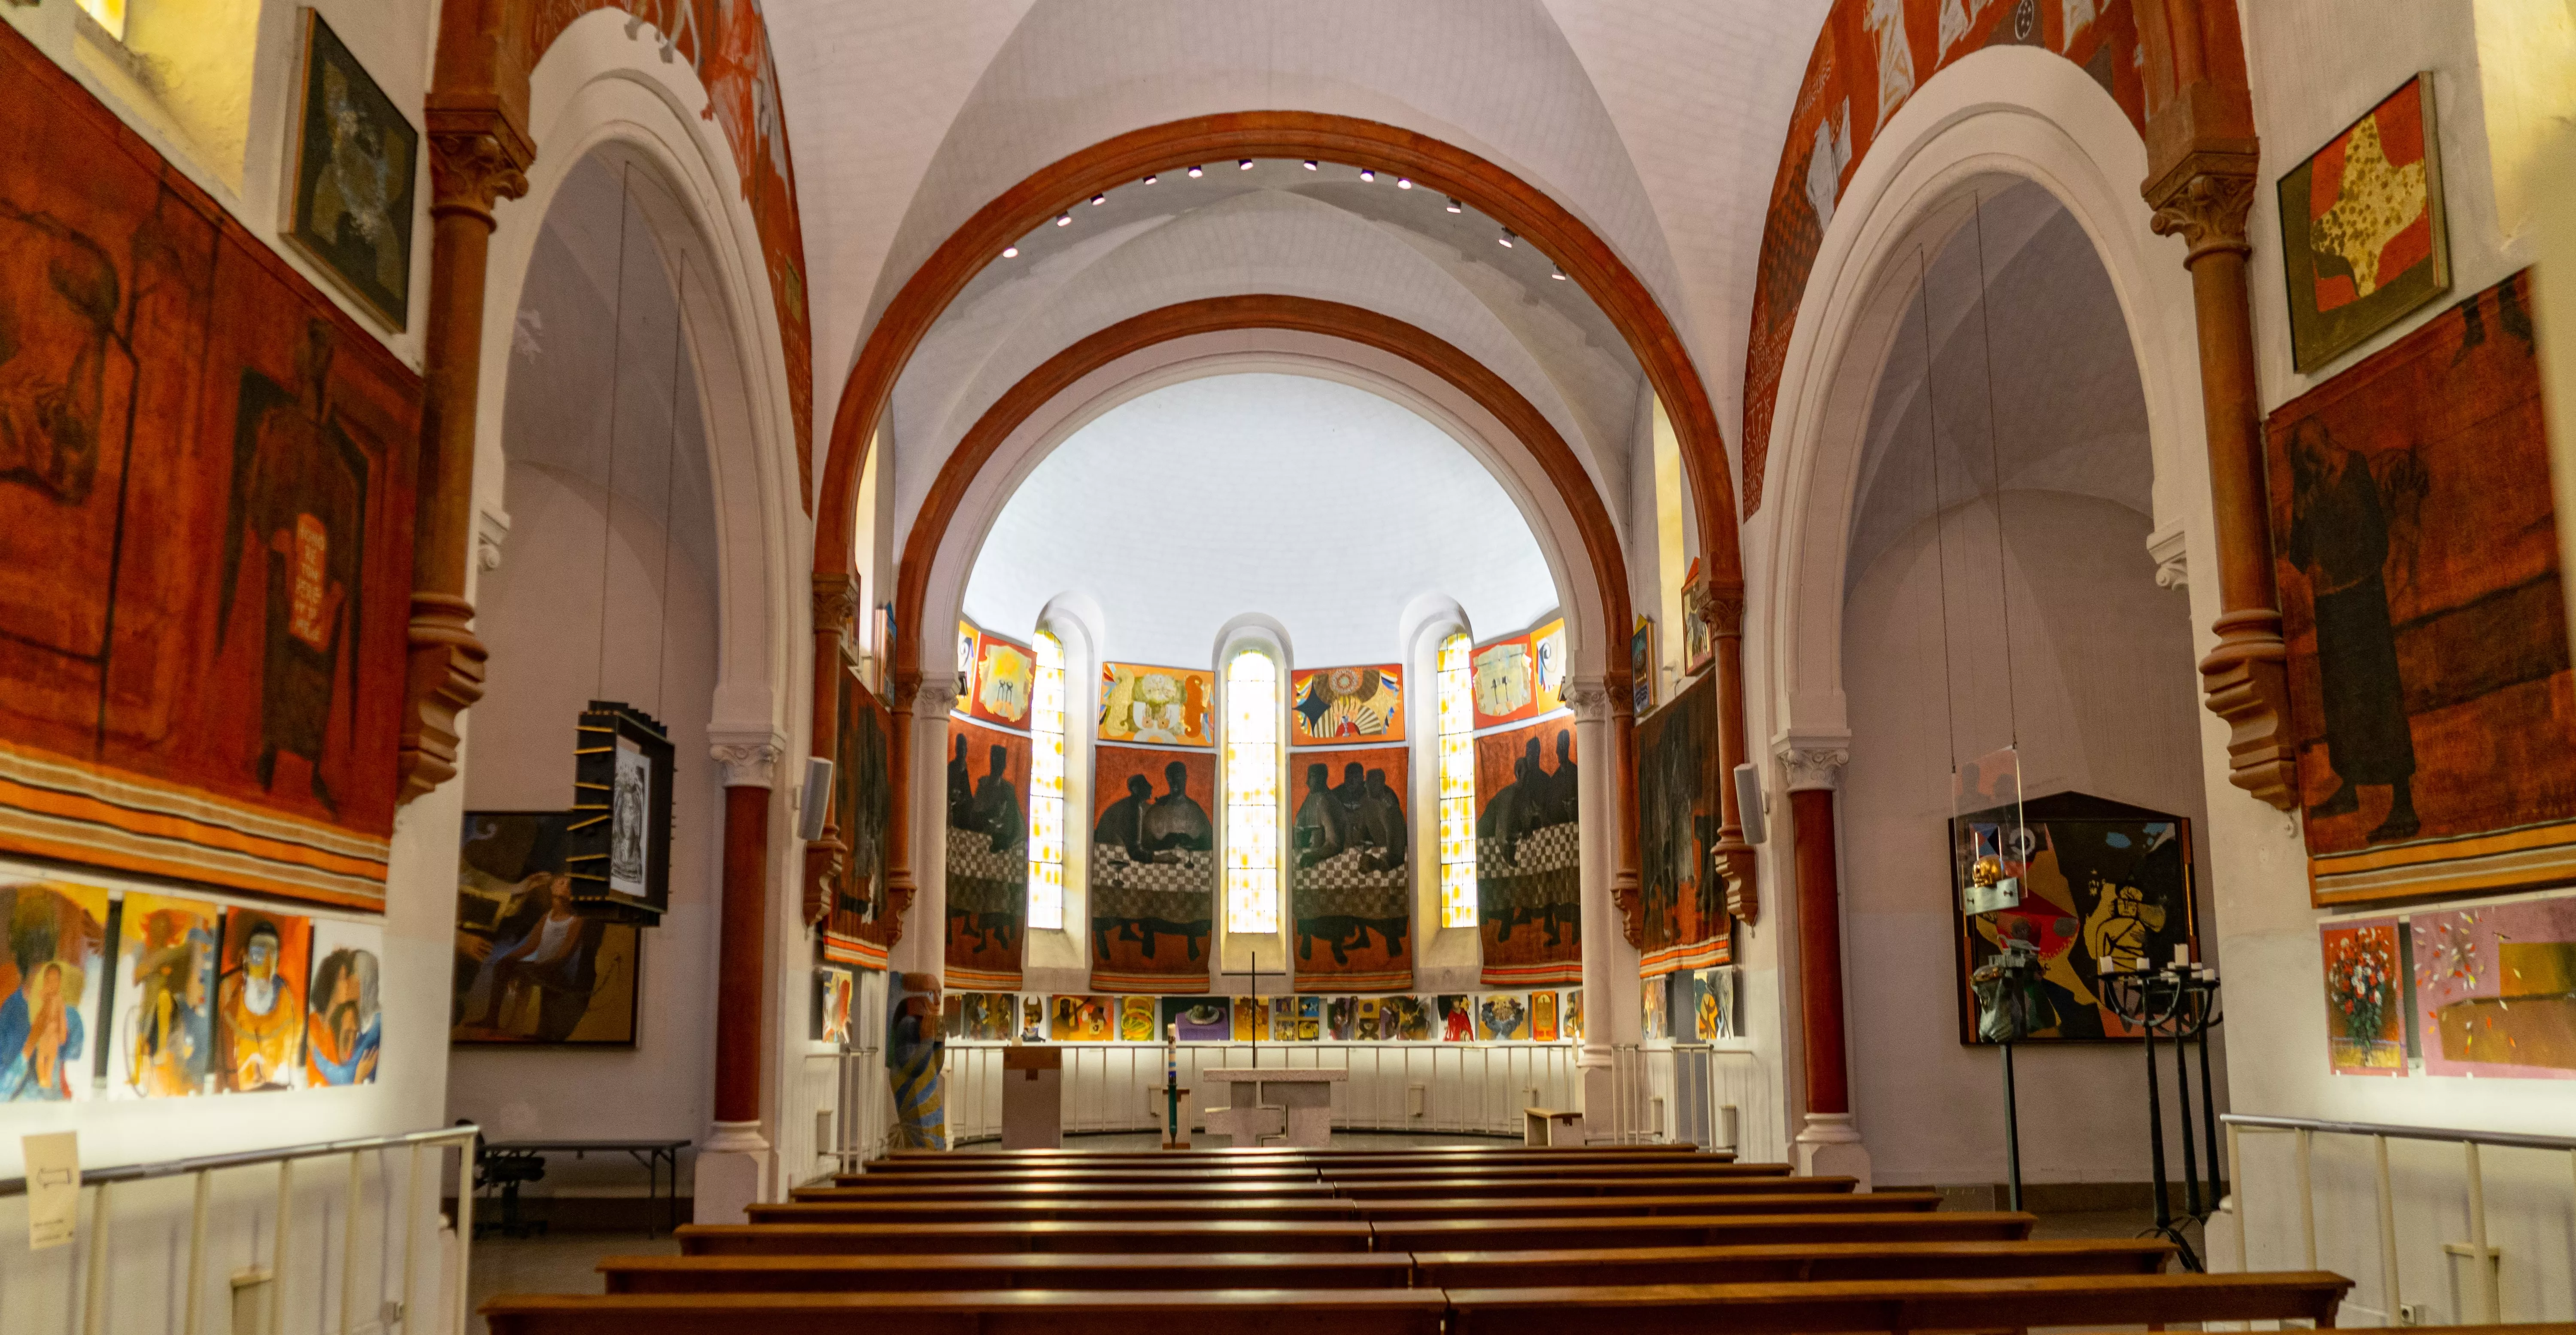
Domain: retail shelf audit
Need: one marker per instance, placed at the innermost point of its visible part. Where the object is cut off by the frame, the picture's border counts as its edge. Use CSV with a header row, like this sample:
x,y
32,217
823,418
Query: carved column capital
x,y
2207,209
748,763
1814,767
1722,607
836,603
475,162
934,698
1589,698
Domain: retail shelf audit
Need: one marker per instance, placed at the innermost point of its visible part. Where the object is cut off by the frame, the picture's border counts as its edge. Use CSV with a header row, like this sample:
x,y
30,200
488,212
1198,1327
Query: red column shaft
x,y
1820,950
741,962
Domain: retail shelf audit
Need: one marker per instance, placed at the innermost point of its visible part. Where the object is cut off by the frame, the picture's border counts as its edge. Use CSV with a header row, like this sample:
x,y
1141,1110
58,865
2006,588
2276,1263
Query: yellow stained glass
x,y
1457,784
1046,785
1252,793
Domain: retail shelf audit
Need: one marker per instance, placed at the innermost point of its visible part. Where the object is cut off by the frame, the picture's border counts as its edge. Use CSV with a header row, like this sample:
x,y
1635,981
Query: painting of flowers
x,y
2365,1015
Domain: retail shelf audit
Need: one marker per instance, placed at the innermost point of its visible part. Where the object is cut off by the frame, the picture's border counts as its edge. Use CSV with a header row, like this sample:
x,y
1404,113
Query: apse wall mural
x,y
1868,61
988,867
1529,909
205,527
1350,869
1153,868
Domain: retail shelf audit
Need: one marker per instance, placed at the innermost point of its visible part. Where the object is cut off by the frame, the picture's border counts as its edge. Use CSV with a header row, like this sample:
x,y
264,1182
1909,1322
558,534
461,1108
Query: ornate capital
x,y
2207,209
1809,767
2246,681
836,603
748,764
1722,607
934,698
1589,697
2173,567
472,168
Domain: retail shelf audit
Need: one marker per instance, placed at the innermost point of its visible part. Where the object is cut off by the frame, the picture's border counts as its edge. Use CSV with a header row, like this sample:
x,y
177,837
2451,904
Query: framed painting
x,y
1679,916
1456,1016
1502,1017
2362,230
860,919
532,968
344,1007
2494,992
1548,665
1157,706
1570,1025
2100,880
832,993
2365,985
1529,918
164,1025
1350,869
987,855
1699,647
1003,674
618,844
1201,1019
1346,704
355,160
53,1016
1365,1025
1404,1019
1641,667
1082,1019
1251,1019
260,981
1153,868
2416,551
1136,1020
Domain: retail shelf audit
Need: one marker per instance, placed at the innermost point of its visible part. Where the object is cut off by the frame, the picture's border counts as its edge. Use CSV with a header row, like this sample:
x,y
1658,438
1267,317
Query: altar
x,y
1291,1105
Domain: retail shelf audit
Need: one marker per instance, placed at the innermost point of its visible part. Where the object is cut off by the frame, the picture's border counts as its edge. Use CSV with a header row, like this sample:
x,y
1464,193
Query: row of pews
x,y
1469,1241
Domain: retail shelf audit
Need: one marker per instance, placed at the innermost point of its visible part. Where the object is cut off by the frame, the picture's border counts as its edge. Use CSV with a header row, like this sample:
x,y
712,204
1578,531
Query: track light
x,y
1244,164
1197,172
1404,183
1557,274
1010,252
1149,180
1098,200
1507,238
1366,174
1310,164
1455,206
1066,220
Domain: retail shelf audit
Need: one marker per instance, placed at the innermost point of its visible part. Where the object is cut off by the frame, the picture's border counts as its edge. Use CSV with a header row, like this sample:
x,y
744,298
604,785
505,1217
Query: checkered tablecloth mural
x,y
981,880
1544,871
1183,891
1342,886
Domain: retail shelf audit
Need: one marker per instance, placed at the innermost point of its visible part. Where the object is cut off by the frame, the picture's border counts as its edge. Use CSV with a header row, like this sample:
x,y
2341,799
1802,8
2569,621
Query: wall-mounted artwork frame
x,y
618,845
1641,666
513,987
2363,239
356,164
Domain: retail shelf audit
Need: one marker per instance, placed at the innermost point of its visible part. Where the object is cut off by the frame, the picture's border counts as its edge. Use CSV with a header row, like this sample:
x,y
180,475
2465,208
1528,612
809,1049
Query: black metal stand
x,y
2012,1133
2179,1003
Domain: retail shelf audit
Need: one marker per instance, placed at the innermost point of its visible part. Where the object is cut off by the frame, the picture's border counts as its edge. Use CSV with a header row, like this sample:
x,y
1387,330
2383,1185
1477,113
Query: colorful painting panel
x,y
998,692
1502,1017
354,159
1251,1020
987,855
1680,911
1082,1019
1153,868
52,982
530,968
2495,990
1033,1020
2418,570
2365,985
2099,880
344,1019
1572,1024
1350,876
1199,1019
833,989
1641,667
1505,683
1346,704
1365,1024
1528,855
261,980
1457,1017
2362,228
1542,1017
1548,667
1157,706
164,1027
205,542
860,919
1136,1020
1713,1007
1406,1019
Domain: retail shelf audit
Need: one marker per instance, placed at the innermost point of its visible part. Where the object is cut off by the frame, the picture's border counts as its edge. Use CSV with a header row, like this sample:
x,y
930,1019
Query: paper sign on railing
x,y
53,1188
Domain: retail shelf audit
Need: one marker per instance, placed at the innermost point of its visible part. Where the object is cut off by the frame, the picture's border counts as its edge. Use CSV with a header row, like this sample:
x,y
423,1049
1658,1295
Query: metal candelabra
x,y
2178,1003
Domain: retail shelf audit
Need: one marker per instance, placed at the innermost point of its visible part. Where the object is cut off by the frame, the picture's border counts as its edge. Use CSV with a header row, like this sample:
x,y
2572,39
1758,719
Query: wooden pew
x,y
1659,1168
1708,1230
1002,1312
1114,1236
1902,1305
1785,1263
1401,1188
1519,1207
955,1273
1153,1181
864,1211
1201,1161
1220,1189
901,1189
1185,1169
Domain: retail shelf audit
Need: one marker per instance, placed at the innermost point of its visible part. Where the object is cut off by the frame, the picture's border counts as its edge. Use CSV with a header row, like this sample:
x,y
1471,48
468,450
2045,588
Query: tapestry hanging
x,y
998,683
205,528
987,856
1153,868
2362,228
2100,880
1350,876
530,966
1346,704
1157,706
1505,686
1529,895
860,921
2418,569
1679,917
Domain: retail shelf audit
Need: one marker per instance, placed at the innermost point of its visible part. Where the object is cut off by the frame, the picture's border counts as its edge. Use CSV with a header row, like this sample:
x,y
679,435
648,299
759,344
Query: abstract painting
x,y
52,979
1679,914
205,527
1033,1020
1502,1017
2362,227
860,922
1641,667
1404,1018
2495,989
354,168
1528,855
999,689
1364,1019
1199,1019
1713,1010
1548,666
1341,1014
1136,1020
1157,706
344,1022
1656,1020
987,855
2418,570
260,983
1251,1020
991,1015
1505,690
1153,868
2365,983
1698,647
2100,880
1082,1019
530,966
1350,869
1571,1026
832,993
1346,704
164,1008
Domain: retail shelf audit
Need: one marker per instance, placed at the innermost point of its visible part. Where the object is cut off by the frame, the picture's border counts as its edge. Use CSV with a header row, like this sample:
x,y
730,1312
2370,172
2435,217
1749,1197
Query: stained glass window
x,y
1046,785
1457,784
1252,793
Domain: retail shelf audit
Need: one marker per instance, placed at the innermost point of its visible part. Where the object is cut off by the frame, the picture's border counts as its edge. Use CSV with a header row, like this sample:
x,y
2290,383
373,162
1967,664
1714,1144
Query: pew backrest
x,y
1903,1305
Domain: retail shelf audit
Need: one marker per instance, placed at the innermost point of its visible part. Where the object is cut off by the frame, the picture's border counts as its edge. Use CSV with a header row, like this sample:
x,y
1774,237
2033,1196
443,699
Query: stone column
x,y
734,1165
925,930
1605,944
1828,1145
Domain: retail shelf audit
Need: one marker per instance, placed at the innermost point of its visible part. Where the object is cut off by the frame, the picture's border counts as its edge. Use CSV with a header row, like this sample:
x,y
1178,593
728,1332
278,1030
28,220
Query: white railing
x,y
841,1115
1452,1088
404,1168
1715,1098
2304,1131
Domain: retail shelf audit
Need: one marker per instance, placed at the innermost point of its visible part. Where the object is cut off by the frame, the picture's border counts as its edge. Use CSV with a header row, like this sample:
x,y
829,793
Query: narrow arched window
x,y
1457,784
1046,785
1252,792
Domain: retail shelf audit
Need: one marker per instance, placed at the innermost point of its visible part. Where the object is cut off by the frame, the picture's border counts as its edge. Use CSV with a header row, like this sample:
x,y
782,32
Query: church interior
x,y
1802,665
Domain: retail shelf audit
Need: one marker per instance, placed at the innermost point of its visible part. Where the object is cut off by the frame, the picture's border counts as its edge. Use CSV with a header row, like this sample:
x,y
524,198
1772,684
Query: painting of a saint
x,y
1346,704
1156,706
1153,869
1528,855
1350,870
259,1001
530,966
165,997
50,982
1682,907
354,172
344,1017
988,864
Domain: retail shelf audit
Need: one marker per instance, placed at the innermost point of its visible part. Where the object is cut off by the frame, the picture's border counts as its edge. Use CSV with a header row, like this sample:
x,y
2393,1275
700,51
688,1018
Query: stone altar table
x,y
1294,1103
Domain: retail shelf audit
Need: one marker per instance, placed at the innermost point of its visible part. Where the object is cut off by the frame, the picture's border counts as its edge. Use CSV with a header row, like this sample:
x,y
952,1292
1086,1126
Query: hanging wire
x,y
616,360
1994,461
1940,545
670,475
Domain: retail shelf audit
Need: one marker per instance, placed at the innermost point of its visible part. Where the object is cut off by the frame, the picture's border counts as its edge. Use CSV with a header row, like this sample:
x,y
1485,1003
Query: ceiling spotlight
x,y
1066,220
1310,164
1404,183
1507,238
1455,206
1197,172
1557,274
1366,174
1010,252
1098,200
1150,180
1244,163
